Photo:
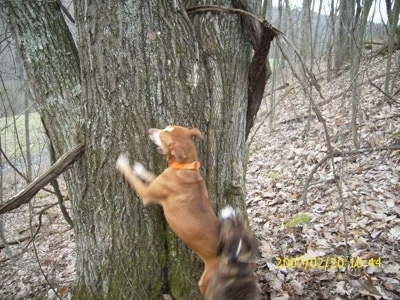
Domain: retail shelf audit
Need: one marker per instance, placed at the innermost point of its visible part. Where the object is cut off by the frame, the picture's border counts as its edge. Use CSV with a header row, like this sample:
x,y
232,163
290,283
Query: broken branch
x,y
338,153
35,186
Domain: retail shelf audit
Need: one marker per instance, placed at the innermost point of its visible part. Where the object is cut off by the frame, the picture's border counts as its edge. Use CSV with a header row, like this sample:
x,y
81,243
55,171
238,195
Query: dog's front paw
x,y
139,169
122,162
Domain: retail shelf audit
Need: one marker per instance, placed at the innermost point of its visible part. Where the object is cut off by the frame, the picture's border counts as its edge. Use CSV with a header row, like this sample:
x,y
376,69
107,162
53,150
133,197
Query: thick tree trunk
x,y
140,64
226,57
141,68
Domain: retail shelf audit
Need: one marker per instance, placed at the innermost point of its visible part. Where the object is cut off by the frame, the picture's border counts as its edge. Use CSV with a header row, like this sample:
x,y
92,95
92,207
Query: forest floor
x,y
345,241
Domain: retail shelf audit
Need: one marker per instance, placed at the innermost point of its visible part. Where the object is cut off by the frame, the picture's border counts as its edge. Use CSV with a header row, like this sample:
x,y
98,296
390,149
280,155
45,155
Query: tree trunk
x,y
393,33
359,34
343,43
3,239
331,41
139,64
305,31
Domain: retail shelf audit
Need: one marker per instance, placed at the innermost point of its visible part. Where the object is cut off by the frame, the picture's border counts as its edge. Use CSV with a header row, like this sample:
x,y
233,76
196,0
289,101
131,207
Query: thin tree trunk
x,y
305,30
277,61
331,41
343,43
27,95
393,25
2,236
316,38
359,34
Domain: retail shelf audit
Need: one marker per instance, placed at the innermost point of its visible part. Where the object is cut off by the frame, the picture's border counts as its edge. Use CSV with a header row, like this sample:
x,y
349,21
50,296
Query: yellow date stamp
x,y
326,263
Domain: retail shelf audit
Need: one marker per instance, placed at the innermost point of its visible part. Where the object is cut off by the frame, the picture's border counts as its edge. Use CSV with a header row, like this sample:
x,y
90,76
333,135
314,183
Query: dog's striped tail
x,y
228,213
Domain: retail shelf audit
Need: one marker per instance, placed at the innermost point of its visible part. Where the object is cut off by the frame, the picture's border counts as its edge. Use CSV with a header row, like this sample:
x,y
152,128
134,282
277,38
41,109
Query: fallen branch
x,y
392,100
338,153
35,186
15,242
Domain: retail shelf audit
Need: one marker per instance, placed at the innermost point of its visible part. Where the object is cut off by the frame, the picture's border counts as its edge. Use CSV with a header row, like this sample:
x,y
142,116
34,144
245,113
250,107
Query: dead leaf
x,y
341,288
297,288
395,232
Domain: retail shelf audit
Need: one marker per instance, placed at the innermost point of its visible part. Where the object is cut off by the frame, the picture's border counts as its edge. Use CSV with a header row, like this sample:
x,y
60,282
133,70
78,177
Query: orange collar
x,y
185,166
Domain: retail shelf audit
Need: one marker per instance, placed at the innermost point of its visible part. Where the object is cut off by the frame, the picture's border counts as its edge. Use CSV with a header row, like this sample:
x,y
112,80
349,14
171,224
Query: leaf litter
x,y
340,250
349,249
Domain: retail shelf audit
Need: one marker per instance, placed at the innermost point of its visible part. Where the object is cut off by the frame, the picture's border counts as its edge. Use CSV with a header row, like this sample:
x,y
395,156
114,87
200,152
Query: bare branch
x,y
65,11
16,242
204,8
338,153
35,186
383,92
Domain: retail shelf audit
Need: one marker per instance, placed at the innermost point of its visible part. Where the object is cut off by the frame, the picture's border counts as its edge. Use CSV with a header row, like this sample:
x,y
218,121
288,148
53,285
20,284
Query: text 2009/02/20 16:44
x,y
325,263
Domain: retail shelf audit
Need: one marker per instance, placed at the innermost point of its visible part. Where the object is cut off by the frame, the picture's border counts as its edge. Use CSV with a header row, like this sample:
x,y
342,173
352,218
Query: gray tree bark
x,y
343,43
136,65
358,38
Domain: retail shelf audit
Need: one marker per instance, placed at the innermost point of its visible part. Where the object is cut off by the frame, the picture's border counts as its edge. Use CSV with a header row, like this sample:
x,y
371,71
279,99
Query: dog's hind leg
x,y
209,271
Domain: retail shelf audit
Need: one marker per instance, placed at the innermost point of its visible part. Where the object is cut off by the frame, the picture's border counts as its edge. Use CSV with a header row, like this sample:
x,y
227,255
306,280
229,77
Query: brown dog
x,y
181,191
234,279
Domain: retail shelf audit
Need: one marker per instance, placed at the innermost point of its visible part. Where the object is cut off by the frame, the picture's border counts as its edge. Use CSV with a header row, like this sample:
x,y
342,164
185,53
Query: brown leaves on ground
x,y
49,272
328,250
349,249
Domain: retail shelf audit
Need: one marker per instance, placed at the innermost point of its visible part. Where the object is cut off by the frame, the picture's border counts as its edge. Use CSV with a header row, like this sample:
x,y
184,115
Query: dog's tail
x,y
228,212
237,242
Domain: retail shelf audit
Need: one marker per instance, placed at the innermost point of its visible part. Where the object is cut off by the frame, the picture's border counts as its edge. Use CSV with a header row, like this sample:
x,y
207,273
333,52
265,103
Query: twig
x,y
37,255
338,153
281,87
40,220
35,186
5,244
205,8
313,82
11,164
57,191
265,118
16,169
65,11
15,242
382,91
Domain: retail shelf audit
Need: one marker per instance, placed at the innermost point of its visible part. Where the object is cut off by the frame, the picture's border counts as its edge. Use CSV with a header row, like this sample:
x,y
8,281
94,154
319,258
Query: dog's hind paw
x,y
122,162
139,169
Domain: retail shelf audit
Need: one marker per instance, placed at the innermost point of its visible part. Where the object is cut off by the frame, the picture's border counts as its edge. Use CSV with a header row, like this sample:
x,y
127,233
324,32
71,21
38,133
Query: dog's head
x,y
176,142
237,242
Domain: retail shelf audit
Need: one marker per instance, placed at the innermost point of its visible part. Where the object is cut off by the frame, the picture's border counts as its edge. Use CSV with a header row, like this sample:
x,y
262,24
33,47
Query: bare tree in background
x,y
357,46
394,38
331,39
344,41
305,30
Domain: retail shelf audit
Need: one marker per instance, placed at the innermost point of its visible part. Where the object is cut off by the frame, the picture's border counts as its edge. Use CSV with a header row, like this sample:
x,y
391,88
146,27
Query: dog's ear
x,y
196,132
176,150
